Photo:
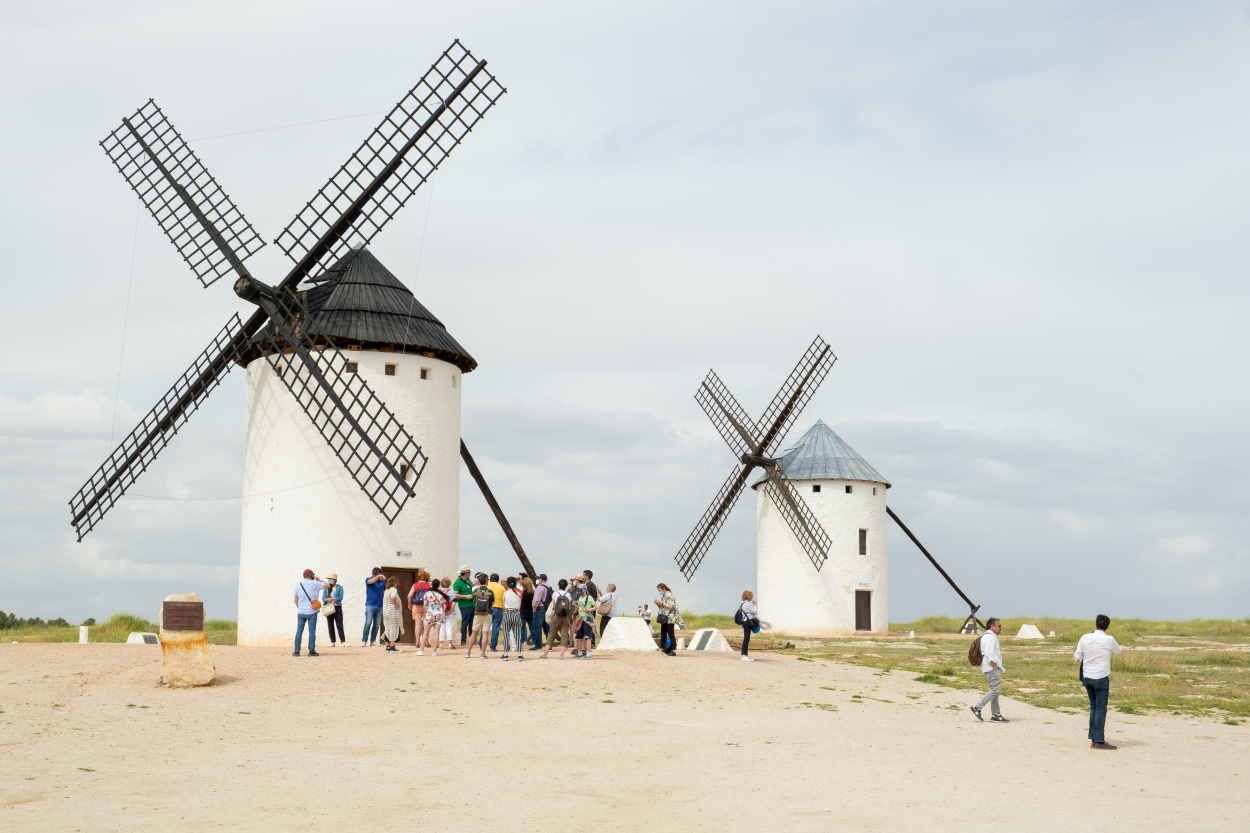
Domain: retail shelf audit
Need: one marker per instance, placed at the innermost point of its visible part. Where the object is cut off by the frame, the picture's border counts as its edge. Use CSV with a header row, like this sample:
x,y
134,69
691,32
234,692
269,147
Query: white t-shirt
x,y
511,599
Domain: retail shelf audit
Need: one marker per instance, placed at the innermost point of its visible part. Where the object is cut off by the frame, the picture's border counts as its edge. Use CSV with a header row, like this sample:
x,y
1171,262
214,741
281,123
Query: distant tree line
x,y
9,621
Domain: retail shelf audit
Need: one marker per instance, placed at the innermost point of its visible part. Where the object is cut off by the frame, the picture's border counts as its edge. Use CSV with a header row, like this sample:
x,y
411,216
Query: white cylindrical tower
x,y
300,507
851,591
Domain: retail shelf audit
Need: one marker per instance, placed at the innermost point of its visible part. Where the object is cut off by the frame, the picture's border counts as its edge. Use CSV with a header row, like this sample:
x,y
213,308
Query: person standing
x,y
483,599
392,616
451,616
588,584
496,611
512,599
527,610
538,622
584,635
666,614
374,587
561,616
463,591
332,607
606,608
416,601
748,616
435,612
992,668
307,594
644,613
1094,652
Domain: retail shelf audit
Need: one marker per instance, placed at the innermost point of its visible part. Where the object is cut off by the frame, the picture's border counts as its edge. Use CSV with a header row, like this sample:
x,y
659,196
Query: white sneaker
x,y
420,652
747,659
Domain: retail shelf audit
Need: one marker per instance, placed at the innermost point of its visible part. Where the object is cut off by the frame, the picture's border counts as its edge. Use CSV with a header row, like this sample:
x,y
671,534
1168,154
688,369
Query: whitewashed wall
x,y
301,509
793,597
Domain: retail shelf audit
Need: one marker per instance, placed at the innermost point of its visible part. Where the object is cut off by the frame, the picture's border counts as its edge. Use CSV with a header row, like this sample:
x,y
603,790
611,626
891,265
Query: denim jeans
x,y
1099,691
373,623
538,624
525,628
496,619
308,620
466,624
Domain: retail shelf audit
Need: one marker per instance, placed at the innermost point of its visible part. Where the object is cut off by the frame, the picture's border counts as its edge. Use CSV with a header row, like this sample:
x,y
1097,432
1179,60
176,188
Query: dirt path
x,y
647,743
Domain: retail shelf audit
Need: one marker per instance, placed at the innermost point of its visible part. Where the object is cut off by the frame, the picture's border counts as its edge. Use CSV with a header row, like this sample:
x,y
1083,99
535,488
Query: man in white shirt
x,y
1094,652
992,668
306,592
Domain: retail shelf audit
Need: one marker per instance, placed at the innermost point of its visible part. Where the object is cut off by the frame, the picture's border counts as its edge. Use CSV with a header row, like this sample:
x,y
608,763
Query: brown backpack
x,y
974,652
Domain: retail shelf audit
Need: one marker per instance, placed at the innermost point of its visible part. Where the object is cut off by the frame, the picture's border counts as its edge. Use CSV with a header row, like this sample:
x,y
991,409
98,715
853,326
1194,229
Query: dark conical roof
x,y
359,301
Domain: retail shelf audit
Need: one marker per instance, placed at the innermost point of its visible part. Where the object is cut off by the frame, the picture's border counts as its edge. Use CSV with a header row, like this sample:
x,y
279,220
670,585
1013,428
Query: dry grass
x,y
116,629
1201,667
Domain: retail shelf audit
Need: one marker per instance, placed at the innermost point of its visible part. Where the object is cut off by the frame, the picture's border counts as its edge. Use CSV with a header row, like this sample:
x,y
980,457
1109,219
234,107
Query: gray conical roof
x,y
820,454
359,301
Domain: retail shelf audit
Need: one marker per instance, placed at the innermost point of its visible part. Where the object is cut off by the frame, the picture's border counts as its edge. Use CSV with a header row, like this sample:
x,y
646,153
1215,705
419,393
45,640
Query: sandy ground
x,y
619,742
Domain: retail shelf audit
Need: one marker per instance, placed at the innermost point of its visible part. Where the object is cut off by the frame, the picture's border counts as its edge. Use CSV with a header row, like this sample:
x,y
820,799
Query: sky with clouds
x,y
1021,227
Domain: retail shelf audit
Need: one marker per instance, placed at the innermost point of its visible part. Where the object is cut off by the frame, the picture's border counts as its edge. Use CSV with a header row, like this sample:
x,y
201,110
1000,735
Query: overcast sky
x,y
1022,228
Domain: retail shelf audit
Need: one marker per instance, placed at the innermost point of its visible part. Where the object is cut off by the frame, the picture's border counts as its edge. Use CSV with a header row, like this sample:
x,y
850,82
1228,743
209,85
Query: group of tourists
x,y
1093,651
475,610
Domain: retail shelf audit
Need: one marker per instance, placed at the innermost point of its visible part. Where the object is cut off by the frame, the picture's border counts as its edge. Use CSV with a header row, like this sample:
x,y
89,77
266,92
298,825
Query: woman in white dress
x,y
392,616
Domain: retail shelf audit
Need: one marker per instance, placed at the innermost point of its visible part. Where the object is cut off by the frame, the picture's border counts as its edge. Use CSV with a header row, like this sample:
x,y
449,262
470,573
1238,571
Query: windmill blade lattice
x,y
700,539
139,448
181,195
394,160
376,447
729,418
799,517
807,374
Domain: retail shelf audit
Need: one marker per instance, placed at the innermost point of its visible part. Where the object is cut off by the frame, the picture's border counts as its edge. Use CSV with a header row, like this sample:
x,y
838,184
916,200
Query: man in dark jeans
x,y
462,592
1094,652
539,626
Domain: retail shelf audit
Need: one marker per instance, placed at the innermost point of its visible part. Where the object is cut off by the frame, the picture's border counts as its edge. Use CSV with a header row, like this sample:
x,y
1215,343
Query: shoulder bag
x,y
313,603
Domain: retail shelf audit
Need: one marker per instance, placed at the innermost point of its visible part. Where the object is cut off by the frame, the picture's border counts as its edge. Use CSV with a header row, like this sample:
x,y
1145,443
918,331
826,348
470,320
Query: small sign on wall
x,y
403,553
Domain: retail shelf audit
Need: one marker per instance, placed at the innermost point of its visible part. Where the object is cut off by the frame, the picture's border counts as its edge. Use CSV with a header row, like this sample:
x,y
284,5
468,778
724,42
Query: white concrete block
x,y
1029,632
709,639
627,633
82,634
142,638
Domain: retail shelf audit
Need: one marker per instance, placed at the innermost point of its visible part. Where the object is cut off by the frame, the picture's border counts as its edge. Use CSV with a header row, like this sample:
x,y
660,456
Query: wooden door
x,y
863,610
404,579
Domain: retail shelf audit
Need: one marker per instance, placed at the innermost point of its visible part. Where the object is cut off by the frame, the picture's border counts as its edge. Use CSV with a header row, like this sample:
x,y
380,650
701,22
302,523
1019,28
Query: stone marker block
x,y
184,646
1029,632
142,638
82,634
708,639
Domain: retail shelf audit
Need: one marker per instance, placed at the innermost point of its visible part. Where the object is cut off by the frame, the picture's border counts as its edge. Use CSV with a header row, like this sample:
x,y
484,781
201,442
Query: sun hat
x,y
334,576
464,568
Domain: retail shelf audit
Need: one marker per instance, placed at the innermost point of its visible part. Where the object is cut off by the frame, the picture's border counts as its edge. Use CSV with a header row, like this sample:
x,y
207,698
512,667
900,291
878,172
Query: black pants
x,y
466,625
746,639
668,638
603,624
336,620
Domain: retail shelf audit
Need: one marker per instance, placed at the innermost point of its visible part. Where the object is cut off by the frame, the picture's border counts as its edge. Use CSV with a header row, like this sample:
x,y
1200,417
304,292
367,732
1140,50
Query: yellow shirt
x,y
497,589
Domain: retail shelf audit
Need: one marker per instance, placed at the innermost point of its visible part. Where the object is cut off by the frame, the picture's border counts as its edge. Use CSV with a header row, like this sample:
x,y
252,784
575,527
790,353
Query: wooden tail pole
x,y
499,516
973,607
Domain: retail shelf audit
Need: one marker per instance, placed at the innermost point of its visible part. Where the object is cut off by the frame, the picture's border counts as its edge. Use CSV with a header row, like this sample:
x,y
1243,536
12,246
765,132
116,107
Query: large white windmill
x,y
346,369
819,501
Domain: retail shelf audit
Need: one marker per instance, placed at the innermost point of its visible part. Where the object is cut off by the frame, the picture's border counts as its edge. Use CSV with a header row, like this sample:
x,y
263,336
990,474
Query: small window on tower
x,y
453,380
351,367
848,490
863,542
816,488
874,490
403,471
390,368
425,373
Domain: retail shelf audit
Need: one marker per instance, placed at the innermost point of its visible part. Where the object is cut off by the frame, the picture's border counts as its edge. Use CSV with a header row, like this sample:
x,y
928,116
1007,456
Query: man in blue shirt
x,y
375,586
308,590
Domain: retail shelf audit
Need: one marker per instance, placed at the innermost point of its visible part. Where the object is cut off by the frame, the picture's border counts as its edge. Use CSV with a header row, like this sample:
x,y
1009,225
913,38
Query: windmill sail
x,y
139,448
196,214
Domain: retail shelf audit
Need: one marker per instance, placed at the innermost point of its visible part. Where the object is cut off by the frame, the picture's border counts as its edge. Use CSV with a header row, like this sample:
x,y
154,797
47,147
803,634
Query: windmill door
x,y
863,610
404,579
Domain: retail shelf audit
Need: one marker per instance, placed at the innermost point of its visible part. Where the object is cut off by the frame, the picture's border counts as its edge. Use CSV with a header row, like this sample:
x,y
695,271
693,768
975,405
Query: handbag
x,y
329,608
662,618
605,608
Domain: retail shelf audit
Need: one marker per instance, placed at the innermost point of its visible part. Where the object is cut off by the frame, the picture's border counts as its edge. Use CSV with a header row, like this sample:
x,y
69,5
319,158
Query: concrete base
x,y
627,633
187,660
142,638
1029,632
708,639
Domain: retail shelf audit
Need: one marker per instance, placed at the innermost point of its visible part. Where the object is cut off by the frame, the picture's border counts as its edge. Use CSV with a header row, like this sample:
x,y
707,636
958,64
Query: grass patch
x,y
116,629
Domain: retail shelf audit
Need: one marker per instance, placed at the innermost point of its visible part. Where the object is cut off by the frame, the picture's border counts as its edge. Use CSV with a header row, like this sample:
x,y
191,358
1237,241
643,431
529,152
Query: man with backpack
x,y
986,652
561,616
483,600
